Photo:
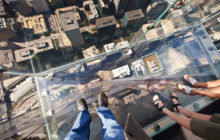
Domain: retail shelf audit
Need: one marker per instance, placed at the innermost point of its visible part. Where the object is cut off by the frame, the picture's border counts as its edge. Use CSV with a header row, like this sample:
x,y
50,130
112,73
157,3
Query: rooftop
x,y
105,21
153,33
139,67
175,13
6,56
179,21
35,23
67,18
109,47
172,25
135,14
153,63
90,52
105,75
34,48
122,44
121,72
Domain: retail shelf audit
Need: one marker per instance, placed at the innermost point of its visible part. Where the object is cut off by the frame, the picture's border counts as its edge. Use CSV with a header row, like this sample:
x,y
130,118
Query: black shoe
x,y
103,100
81,104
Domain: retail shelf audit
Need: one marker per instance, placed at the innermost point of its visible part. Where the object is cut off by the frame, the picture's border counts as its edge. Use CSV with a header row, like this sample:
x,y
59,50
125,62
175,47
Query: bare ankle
x,y
197,85
180,108
165,110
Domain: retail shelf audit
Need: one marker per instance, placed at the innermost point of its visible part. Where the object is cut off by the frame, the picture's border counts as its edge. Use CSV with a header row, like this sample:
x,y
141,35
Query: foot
x,y
81,104
175,102
102,100
183,88
158,103
190,79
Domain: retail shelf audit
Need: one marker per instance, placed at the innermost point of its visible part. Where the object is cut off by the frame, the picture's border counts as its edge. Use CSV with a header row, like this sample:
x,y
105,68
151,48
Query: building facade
x,y
102,8
133,19
106,25
133,5
21,6
7,30
39,6
120,7
4,9
56,3
69,25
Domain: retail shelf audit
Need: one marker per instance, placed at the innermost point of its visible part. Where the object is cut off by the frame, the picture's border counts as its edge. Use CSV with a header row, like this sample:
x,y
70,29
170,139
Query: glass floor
x,y
184,53
129,76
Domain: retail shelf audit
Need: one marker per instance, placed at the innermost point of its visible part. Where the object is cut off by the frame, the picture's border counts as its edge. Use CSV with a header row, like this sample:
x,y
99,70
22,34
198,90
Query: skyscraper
x,y
4,12
120,7
69,26
7,31
133,20
39,6
106,25
21,6
133,5
56,3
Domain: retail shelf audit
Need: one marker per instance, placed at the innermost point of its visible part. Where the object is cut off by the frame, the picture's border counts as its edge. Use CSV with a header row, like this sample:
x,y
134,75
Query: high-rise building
x,y
4,10
133,5
39,6
120,7
56,3
151,34
102,8
106,25
7,57
21,6
7,30
69,25
154,10
72,2
133,19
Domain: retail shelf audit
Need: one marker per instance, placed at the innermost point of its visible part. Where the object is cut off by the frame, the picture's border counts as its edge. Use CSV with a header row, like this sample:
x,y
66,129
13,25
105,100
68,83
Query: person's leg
x,y
81,127
209,84
162,85
181,120
202,128
111,129
188,112
211,92
194,114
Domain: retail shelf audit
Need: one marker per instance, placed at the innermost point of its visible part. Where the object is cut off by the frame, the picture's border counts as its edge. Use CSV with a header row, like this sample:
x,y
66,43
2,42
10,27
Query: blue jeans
x,y
111,130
